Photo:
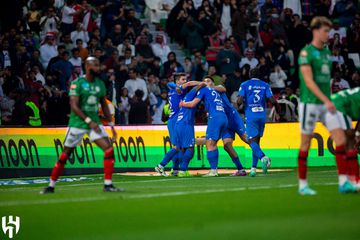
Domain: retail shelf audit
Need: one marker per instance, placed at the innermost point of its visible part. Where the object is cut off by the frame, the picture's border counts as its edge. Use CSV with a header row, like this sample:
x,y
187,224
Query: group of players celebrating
x,y
224,121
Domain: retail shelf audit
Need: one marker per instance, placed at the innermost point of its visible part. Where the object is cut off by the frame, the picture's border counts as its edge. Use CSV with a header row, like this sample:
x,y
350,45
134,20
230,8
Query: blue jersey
x,y
228,107
213,101
255,93
187,115
174,100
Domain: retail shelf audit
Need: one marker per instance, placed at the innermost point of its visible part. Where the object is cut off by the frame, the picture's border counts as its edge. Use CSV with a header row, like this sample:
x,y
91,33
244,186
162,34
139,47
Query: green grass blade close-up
x,y
153,207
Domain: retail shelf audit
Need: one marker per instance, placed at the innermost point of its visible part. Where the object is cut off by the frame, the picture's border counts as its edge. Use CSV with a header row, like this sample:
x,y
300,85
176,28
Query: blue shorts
x,y
172,132
185,135
235,125
216,127
255,127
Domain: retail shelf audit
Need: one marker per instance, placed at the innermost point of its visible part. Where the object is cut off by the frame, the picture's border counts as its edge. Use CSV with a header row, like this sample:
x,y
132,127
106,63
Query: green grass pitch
x,y
264,207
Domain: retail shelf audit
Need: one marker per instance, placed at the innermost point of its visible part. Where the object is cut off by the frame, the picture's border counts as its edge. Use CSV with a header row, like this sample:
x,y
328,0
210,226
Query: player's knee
x,y
339,137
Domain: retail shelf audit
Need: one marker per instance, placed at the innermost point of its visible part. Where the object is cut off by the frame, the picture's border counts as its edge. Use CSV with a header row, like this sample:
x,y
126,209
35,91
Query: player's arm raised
x,y
311,85
191,84
75,107
107,115
220,88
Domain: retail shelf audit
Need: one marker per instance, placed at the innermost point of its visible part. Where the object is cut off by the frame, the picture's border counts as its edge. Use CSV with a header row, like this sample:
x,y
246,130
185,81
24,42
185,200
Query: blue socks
x,y
213,158
187,156
257,153
168,156
176,161
255,160
237,163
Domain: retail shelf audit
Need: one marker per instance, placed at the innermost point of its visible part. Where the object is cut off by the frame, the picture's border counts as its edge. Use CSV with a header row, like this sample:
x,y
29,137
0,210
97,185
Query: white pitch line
x,y
143,196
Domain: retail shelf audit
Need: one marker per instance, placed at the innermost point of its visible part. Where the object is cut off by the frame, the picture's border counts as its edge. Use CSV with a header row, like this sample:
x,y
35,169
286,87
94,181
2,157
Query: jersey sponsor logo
x,y
97,89
85,86
325,69
250,87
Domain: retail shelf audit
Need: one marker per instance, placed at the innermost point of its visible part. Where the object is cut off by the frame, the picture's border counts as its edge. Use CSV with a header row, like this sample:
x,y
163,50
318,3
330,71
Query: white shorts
x,y
75,135
310,113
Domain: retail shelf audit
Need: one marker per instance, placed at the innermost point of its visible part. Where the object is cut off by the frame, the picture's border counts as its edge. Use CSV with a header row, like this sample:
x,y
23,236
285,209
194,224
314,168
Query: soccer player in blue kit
x,y
254,93
217,121
176,94
185,132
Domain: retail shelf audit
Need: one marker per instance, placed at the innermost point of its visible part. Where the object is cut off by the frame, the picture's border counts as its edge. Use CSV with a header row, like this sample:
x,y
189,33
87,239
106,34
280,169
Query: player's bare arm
x,y
191,104
220,88
311,85
357,134
75,107
191,84
107,115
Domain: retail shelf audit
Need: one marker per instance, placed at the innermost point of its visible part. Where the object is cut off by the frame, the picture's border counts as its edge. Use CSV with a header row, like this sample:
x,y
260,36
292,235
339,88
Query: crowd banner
x,y
33,151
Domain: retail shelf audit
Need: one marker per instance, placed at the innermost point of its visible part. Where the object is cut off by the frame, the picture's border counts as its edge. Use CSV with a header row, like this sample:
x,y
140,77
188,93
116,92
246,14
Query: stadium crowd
x,y
43,45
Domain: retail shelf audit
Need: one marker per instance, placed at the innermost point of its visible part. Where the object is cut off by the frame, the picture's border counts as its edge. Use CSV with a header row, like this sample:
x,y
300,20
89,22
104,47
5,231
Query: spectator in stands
x,y
345,11
336,29
67,19
264,69
227,60
63,69
124,106
336,57
49,23
233,82
226,11
266,36
80,33
353,35
214,46
76,61
207,24
33,17
138,108
144,49
192,33
249,59
188,65
160,48
240,26
134,83
48,50
108,47
117,36
172,65
277,79
338,83
7,55
198,69
124,45
127,59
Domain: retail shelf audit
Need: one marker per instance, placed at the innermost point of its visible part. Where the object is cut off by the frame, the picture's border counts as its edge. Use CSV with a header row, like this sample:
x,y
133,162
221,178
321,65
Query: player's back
x,y
348,102
187,115
213,101
255,94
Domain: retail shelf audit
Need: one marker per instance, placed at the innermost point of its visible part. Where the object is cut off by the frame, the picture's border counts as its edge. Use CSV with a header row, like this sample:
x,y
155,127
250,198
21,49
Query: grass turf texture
x,y
265,207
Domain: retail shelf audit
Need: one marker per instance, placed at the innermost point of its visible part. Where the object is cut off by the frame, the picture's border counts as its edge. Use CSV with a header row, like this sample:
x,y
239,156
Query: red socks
x,y
109,163
352,165
59,167
340,155
302,164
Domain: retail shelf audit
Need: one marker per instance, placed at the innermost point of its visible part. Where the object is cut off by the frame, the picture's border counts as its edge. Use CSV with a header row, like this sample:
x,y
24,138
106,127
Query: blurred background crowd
x,y
142,43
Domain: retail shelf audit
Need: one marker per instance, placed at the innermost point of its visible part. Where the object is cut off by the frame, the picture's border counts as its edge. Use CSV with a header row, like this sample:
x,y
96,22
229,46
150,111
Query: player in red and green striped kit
x,y
86,93
347,103
315,104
